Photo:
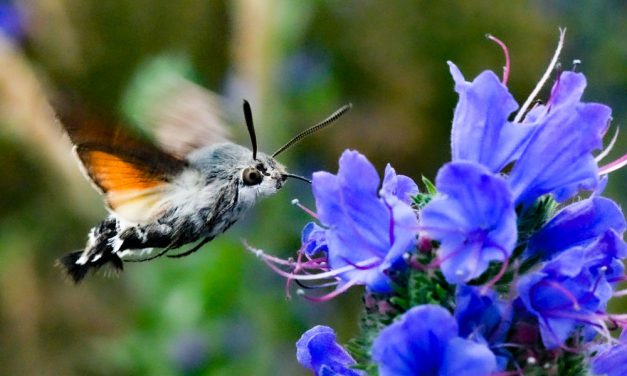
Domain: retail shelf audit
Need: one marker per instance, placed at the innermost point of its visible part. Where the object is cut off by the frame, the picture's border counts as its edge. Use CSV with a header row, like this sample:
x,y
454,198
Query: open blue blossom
x,y
313,238
571,290
558,158
318,350
612,360
472,217
484,317
577,224
425,341
481,132
364,229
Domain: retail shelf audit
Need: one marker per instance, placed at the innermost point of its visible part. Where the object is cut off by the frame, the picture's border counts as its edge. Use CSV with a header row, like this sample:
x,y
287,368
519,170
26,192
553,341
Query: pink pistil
x,y
566,293
506,68
613,166
523,109
332,294
374,264
499,275
609,147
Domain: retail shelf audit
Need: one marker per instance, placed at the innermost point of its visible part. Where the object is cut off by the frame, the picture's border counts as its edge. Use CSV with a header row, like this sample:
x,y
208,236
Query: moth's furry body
x,y
207,197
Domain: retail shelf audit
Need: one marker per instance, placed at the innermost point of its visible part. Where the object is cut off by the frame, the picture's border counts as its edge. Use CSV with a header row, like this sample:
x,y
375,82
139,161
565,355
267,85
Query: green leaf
x,y
429,186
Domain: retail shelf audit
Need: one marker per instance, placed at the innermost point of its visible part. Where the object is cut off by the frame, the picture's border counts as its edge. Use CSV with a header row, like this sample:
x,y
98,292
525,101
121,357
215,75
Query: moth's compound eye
x,y
252,176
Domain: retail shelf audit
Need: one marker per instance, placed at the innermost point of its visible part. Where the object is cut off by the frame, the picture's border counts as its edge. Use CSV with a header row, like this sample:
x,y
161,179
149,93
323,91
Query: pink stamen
x,y
506,68
297,268
266,257
332,294
613,166
617,279
499,275
305,209
620,293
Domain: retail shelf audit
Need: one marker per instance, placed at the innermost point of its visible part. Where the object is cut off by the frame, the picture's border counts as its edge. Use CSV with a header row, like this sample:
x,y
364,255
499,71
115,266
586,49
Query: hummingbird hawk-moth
x,y
164,195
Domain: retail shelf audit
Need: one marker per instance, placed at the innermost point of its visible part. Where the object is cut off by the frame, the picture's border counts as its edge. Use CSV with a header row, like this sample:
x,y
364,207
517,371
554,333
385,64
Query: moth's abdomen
x,y
77,271
99,251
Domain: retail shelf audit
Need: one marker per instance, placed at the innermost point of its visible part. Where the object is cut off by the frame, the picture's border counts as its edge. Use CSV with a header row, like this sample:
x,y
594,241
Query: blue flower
x,y
558,158
364,229
425,341
485,318
472,217
551,150
571,290
612,361
482,314
318,350
313,238
481,132
577,224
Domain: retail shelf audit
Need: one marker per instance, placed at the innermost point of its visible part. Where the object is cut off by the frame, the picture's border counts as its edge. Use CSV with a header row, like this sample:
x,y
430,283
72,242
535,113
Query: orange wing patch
x,y
133,189
112,173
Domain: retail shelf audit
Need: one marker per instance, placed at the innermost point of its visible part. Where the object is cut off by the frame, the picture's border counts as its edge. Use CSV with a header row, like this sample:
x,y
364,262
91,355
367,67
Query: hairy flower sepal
x,y
472,217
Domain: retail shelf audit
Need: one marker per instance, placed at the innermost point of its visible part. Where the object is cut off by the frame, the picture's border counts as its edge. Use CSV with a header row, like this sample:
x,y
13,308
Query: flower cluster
x,y
504,266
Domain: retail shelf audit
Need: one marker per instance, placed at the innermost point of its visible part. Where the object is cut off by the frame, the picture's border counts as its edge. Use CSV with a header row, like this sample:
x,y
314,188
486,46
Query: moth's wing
x,y
136,178
182,115
191,117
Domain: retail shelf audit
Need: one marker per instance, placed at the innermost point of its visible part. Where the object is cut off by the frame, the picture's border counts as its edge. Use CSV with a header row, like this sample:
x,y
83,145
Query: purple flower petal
x,y
399,186
467,358
577,224
318,350
482,315
362,227
472,217
424,342
612,361
481,132
558,158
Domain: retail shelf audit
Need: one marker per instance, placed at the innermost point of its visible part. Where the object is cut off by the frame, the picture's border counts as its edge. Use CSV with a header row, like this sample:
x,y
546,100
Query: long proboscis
x,y
298,177
323,124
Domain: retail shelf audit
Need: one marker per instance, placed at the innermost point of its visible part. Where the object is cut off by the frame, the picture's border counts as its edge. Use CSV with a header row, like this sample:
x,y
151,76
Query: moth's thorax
x,y
228,161
224,164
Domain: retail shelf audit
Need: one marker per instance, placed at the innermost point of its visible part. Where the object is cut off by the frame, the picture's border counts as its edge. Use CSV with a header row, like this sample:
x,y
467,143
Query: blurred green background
x,y
221,311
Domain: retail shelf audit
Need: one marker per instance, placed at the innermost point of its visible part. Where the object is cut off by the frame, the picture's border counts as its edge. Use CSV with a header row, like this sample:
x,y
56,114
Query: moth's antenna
x,y
323,124
297,177
248,115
